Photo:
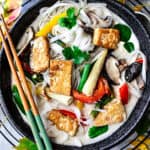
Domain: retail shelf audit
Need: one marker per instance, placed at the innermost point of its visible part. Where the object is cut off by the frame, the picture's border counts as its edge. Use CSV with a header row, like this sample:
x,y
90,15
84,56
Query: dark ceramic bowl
x,y
29,14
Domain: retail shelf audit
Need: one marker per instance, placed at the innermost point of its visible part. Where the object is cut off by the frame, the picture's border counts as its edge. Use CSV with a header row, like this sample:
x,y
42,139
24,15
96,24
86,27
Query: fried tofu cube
x,y
107,38
64,123
114,112
40,56
60,76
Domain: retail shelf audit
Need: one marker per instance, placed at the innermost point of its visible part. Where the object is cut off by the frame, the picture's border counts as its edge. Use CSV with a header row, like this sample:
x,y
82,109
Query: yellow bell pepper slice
x,y
49,25
79,104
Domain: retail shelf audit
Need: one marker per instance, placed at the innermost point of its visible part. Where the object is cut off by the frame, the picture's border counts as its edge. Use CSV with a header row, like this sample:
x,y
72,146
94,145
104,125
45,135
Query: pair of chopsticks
x,y
36,124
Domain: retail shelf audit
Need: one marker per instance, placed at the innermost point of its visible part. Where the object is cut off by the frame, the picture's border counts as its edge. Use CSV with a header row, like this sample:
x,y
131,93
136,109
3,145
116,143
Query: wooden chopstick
x,y
33,116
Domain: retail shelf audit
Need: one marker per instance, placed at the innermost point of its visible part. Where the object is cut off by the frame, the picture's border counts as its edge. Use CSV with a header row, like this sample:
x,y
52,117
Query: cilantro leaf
x,y
68,53
26,144
71,12
75,54
79,56
69,21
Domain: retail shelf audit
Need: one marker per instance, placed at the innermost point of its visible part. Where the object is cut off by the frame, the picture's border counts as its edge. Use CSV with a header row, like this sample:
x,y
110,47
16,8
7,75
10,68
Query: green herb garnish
x,y
17,99
69,21
125,32
94,113
35,78
96,131
26,144
84,76
129,46
75,54
105,100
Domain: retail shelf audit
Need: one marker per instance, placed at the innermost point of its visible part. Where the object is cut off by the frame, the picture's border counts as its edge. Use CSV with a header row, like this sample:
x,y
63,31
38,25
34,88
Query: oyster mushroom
x,y
122,64
133,71
106,22
100,22
112,69
25,40
140,83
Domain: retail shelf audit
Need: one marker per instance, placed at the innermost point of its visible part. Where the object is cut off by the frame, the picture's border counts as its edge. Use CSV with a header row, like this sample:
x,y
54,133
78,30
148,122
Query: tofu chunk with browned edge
x,y
60,76
40,55
106,38
114,112
64,123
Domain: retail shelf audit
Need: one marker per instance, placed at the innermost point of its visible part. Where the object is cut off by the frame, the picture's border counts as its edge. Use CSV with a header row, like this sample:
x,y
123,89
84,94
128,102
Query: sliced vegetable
x,y
84,77
112,69
76,54
105,100
96,131
79,104
26,144
35,78
102,89
133,71
124,93
27,68
94,74
17,99
68,113
139,60
70,20
94,113
49,25
125,32
66,100
129,46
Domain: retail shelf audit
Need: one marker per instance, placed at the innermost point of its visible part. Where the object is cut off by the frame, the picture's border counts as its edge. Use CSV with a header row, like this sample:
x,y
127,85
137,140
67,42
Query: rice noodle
x,y
78,37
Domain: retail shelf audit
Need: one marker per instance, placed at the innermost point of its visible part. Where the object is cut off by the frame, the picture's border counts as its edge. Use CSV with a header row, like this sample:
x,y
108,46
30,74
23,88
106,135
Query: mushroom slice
x,y
140,83
98,21
106,22
112,69
122,64
25,40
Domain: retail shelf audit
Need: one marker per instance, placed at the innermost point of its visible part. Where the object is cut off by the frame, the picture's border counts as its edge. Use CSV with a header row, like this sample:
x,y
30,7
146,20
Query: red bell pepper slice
x,y
27,68
124,93
82,122
139,60
68,113
102,89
